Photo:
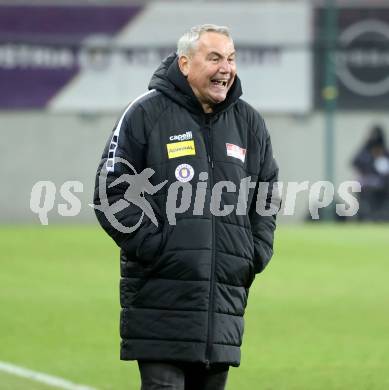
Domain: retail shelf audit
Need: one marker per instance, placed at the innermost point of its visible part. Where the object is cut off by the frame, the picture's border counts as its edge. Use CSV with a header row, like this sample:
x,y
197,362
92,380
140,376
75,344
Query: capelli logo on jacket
x,y
181,137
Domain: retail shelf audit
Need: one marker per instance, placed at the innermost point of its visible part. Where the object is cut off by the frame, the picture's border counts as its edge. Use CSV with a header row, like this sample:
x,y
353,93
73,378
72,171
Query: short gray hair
x,y
188,41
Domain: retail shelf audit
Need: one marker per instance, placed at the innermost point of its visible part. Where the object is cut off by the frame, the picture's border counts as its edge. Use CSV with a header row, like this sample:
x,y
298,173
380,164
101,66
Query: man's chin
x,y
215,99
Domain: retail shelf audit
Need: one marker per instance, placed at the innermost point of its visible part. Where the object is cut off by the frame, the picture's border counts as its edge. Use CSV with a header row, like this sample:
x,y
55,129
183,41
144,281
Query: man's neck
x,y
207,108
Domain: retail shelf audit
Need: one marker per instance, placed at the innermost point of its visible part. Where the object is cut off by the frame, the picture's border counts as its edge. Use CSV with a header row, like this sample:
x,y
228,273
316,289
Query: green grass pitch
x,y
317,318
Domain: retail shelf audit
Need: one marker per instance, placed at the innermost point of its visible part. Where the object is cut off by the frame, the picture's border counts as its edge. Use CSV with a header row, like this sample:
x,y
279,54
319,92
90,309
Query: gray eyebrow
x,y
220,55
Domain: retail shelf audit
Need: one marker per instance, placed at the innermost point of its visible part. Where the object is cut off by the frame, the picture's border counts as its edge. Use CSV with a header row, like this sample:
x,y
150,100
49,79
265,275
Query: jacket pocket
x,y
165,237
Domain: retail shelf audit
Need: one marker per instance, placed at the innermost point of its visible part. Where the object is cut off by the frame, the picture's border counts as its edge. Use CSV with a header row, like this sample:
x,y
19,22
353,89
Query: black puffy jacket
x,y
184,287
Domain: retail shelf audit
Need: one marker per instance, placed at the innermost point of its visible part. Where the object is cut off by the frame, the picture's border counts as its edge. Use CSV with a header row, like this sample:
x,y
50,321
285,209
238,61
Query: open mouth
x,y
220,82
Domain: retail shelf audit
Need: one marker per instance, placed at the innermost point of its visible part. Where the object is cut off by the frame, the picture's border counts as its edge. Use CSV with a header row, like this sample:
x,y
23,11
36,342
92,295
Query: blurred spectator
x,y
372,164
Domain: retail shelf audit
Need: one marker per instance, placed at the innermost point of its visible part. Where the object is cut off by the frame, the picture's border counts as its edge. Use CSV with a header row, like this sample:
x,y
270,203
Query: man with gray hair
x,y
184,287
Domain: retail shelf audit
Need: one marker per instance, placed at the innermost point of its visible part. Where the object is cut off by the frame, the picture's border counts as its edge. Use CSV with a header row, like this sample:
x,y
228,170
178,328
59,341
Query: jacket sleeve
x,y
263,226
123,157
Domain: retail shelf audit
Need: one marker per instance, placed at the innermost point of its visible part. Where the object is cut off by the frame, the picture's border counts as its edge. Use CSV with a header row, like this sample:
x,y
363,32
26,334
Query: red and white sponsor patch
x,y
236,151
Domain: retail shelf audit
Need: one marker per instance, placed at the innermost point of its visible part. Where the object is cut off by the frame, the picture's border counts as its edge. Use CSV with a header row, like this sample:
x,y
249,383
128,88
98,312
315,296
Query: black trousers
x,y
182,376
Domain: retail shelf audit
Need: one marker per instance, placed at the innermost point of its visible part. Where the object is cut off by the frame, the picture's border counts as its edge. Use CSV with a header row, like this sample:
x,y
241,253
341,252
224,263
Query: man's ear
x,y
183,63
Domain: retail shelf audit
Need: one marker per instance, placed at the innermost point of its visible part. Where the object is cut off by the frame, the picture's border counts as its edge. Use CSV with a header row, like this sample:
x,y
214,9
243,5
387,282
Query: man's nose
x,y
225,67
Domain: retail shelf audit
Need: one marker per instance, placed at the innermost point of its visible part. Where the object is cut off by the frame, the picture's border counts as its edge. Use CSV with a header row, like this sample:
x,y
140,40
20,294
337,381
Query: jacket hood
x,y
169,80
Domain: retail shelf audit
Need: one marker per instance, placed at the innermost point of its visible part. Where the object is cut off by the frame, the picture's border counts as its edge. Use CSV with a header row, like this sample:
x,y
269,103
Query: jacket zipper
x,y
211,289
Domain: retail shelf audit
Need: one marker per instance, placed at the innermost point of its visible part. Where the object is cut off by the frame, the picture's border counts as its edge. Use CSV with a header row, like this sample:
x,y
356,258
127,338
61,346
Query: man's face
x,y
211,68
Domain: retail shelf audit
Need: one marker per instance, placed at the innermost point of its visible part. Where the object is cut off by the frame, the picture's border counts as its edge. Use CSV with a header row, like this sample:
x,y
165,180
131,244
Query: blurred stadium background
x,y
318,71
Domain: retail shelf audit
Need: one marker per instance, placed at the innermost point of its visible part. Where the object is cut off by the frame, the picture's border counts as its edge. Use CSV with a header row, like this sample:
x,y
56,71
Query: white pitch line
x,y
41,377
